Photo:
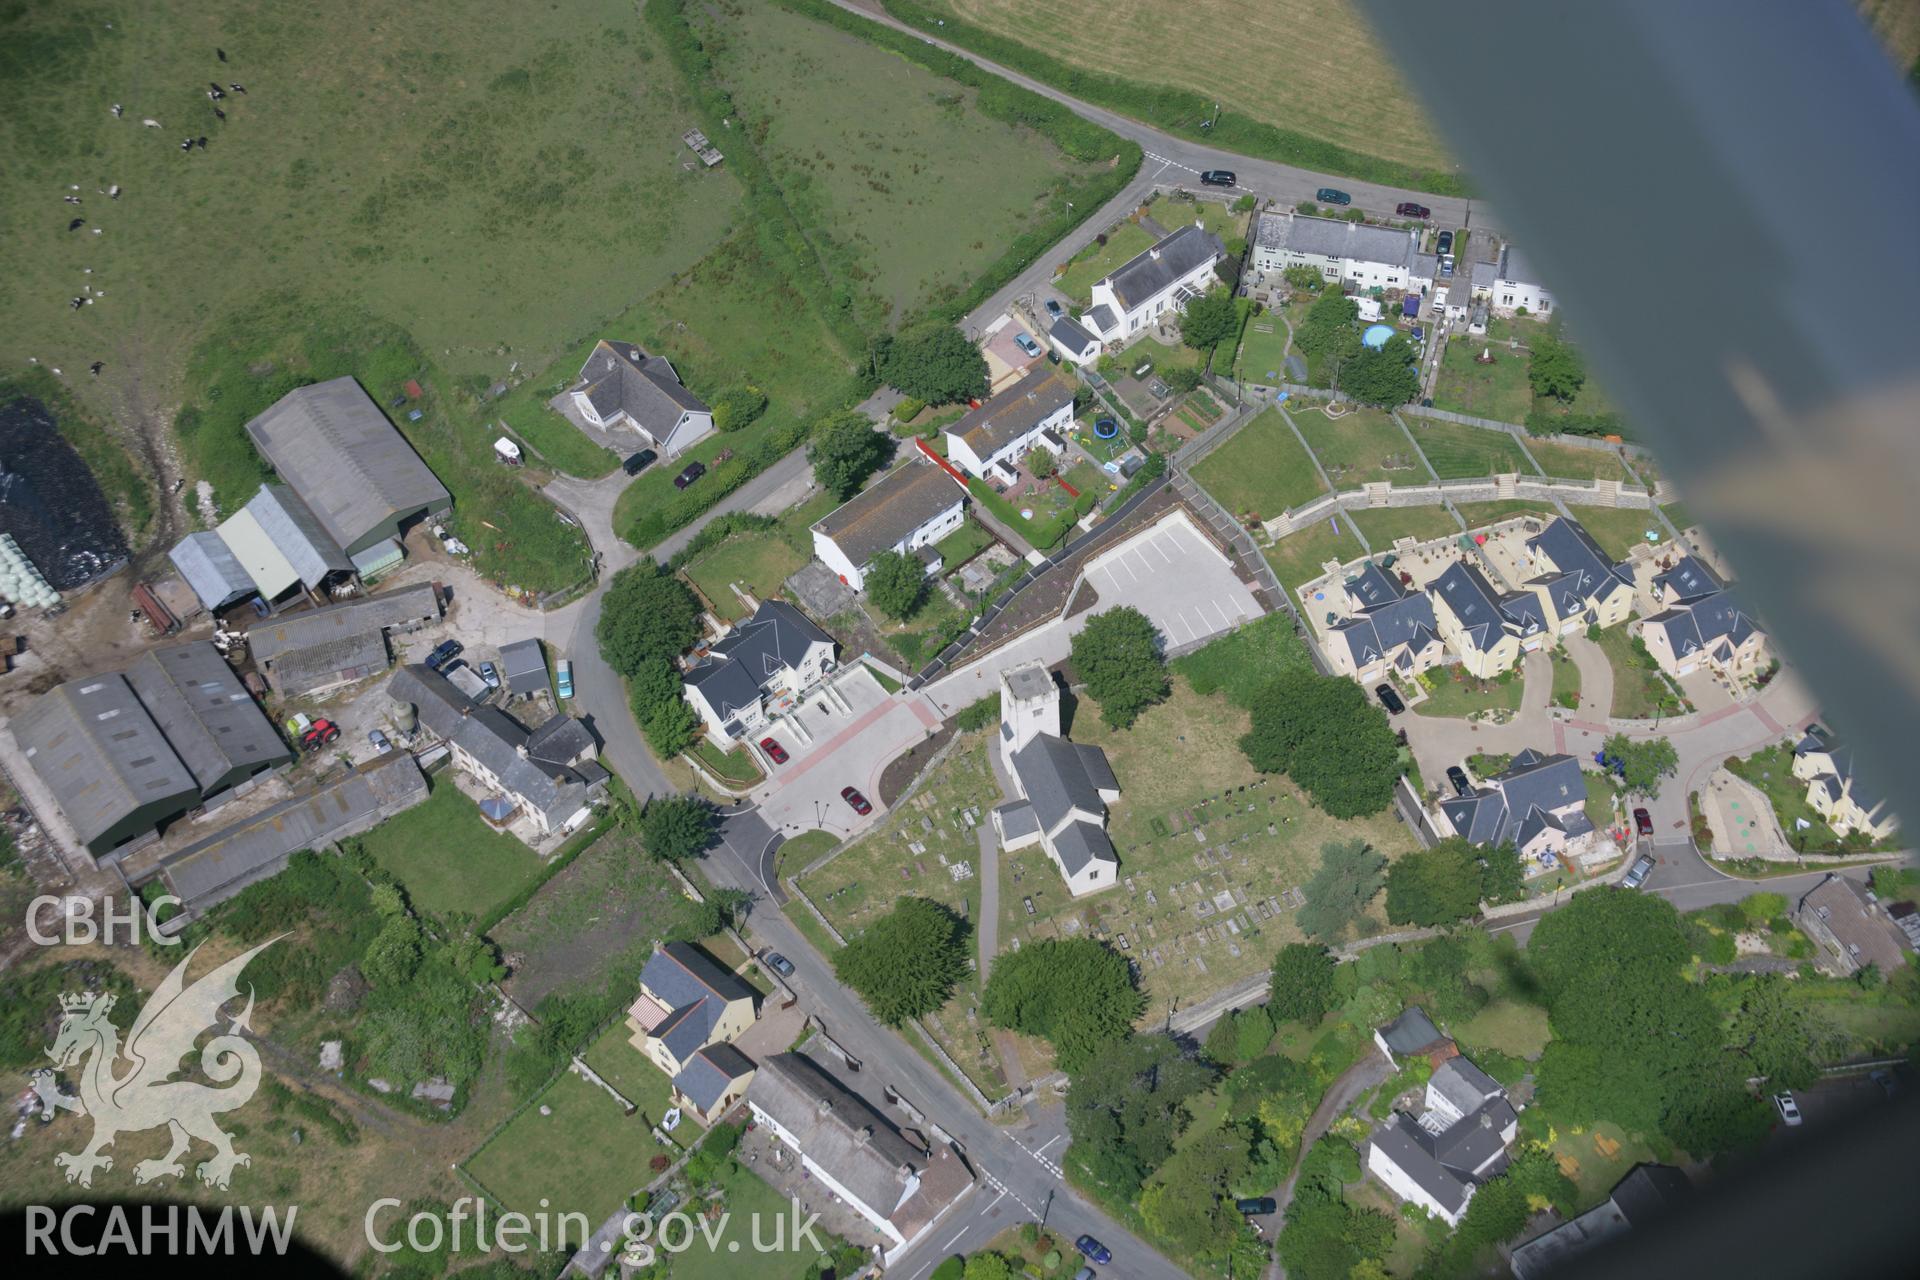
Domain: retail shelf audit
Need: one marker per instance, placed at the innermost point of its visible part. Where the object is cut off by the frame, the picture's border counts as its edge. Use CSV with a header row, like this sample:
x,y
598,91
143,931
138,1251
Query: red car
x,y
775,752
1643,822
856,800
1408,209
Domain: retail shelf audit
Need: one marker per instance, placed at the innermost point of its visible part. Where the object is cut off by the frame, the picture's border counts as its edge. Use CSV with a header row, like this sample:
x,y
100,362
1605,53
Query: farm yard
x,y
1361,446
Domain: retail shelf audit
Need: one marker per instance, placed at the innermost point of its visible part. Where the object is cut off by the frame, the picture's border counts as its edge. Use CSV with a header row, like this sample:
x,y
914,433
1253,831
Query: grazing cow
x,y
118,111
218,112
96,367
187,145
237,88
79,303
76,224
221,53
201,142
213,86
113,192
71,199
151,123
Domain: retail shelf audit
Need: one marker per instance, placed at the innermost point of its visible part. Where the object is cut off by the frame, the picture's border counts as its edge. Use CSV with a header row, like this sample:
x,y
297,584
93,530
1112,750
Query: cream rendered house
x,y
1488,631
622,386
757,671
1836,793
1064,788
1392,630
1574,579
1034,413
689,1009
1702,624
1358,256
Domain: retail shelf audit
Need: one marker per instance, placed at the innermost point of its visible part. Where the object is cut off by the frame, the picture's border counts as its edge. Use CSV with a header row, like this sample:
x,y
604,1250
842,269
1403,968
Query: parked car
x,y
491,674
1256,1206
1331,195
775,752
856,801
688,474
1408,209
1026,343
1643,823
446,651
1885,1079
1054,308
639,462
1789,1109
1219,178
1458,777
1094,1250
379,741
563,677
1637,874
1085,1273
779,964
1389,699
1443,243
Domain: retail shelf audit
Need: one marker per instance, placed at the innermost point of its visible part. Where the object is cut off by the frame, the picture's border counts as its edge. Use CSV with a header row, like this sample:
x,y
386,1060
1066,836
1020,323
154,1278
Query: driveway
x,y
849,747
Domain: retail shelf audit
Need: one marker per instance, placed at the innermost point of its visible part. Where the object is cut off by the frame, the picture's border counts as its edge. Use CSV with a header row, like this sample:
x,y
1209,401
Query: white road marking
x,y
1162,550
1049,1142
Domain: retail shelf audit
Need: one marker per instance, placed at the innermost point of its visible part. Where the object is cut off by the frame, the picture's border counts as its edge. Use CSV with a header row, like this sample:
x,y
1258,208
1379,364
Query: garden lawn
x,y
1162,356
734,766
760,561
1381,526
615,1060
1461,452
1603,795
585,1157
1566,679
1678,513
1639,687
1572,462
1263,351
908,191
447,856
1619,530
1362,446
1466,695
962,545
1296,558
1593,1171
1086,268
1499,390
1478,515
1262,471
747,1200
1507,1025
1771,771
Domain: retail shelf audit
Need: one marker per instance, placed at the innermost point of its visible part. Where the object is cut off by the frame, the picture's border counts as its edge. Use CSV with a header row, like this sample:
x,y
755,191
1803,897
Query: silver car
x,y
1637,874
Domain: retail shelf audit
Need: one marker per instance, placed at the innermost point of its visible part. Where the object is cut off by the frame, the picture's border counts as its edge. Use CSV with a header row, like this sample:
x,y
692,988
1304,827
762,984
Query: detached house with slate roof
x,y
1486,629
1064,788
1836,793
1032,413
1700,624
1153,285
622,386
1438,1159
1393,630
907,510
1537,804
689,1011
757,671
1575,580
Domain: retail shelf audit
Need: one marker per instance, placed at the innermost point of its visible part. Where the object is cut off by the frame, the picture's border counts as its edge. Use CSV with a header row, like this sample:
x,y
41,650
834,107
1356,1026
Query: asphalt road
x,y
1176,160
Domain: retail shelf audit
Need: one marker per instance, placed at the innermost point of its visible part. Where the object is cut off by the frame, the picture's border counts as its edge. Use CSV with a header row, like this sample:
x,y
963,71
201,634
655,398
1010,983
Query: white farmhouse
x,y
1032,413
1438,1160
1353,253
622,386
1153,284
907,510
1064,788
757,671
1517,285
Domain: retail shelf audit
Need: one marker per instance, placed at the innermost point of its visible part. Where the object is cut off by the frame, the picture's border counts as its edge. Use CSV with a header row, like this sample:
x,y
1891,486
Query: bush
x,y
978,715
906,411
740,405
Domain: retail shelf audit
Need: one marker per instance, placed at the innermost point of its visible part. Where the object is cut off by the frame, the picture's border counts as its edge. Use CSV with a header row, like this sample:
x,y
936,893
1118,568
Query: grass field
x,y
1619,529
1571,462
616,1061
760,561
447,856
1261,471
1507,1025
1263,351
1311,66
1361,446
1242,661
1460,452
584,1157
1480,514
874,153
1499,390
463,174
1383,525
1296,558
1085,268
1678,513
1465,696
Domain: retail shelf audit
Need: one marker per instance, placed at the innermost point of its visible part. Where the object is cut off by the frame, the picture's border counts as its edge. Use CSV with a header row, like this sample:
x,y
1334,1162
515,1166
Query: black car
x,y
1408,209
1389,699
688,474
1219,178
1443,243
1054,308
1458,777
1329,195
1257,1206
446,652
639,462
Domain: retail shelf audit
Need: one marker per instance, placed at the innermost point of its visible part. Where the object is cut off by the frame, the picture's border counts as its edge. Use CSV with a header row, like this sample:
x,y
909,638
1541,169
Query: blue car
x,y
1094,1250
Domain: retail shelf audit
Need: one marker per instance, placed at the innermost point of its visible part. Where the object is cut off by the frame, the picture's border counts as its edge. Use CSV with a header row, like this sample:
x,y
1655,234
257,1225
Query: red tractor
x,y
319,734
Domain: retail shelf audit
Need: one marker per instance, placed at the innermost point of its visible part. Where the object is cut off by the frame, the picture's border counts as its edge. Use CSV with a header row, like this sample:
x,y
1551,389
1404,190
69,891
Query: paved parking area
x,y
1176,577
850,745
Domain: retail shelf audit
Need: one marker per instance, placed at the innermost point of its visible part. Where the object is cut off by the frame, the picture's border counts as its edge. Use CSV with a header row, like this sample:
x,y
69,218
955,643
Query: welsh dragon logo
x,y
144,1093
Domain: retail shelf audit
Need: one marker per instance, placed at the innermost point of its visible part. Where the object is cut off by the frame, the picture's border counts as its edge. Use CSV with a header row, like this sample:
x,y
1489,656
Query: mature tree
x,y
1076,993
1555,368
896,584
1642,764
906,963
394,954
1502,877
1783,1040
1350,768
1240,1035
676,828
1383,375
1208,320
1304,277
1043,462
1127,1104
645,613
1301,989
1290,709
1118,654
670,726
1350,874
1436,886
1182,377
845,451
936,363
1329,327
1188,1202
738,406
988,1266
720,910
